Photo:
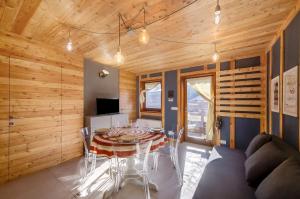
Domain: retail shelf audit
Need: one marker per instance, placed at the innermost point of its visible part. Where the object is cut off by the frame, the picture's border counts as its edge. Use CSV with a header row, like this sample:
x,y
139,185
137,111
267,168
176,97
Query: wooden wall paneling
x,y
4,117
218,131
281,85
128,92
232,119
140,89
264,79
35,106
72,111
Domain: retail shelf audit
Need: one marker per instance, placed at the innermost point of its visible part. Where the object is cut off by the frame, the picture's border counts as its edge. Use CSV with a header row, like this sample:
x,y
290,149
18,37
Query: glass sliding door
x,y
199,109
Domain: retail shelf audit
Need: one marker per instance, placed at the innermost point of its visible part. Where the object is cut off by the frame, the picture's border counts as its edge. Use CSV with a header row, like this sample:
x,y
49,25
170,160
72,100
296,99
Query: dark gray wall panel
x,y
95,87
225,65
245,130
268,90
170,115
247,62
275,73
290,130
191,69
292,43
276,59
155,75
275,123
225,130
291,59
211,66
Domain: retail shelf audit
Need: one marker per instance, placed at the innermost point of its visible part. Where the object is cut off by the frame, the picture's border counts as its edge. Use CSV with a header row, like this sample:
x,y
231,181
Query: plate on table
x,y
101,131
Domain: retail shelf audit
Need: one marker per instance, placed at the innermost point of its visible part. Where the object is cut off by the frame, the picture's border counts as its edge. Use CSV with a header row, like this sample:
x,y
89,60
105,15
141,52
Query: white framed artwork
x,y
290,92
275,94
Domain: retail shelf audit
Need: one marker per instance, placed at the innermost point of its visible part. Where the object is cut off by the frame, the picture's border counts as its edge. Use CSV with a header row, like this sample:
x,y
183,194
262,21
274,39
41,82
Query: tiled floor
x,y
63,181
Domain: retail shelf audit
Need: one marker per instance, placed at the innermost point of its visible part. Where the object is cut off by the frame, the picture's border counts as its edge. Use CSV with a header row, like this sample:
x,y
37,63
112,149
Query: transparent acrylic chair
x,y
174,156
140,170
89,158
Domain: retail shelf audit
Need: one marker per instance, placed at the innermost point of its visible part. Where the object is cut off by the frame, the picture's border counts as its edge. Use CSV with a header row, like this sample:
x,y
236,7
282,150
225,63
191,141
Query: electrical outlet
x,y
223,142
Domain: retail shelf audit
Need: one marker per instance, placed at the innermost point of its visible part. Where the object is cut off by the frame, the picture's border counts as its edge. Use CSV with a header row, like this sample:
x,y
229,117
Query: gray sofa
x,y
224,175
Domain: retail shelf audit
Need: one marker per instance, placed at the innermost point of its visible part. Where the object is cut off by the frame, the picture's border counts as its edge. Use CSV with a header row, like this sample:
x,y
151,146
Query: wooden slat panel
x,y
4,115
239,89
238,108
239,83
29,144
240,70
242,115
240,77
239,102
238,95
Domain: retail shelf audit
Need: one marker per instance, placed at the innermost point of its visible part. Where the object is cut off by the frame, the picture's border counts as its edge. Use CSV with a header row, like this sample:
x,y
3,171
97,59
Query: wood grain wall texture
x,y
127,90
44,97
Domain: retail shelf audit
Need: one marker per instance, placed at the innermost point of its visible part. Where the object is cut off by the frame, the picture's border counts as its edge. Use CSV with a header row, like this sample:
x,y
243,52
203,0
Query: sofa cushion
x,y
283,182
224,176
257,142
262,162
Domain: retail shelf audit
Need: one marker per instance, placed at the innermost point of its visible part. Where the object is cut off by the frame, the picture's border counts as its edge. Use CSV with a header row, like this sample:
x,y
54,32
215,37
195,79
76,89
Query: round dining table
x,y
122,142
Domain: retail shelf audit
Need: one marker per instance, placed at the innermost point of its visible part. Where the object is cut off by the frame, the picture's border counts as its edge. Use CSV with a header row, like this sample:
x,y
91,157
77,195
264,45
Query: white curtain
x,y
204,87
148,87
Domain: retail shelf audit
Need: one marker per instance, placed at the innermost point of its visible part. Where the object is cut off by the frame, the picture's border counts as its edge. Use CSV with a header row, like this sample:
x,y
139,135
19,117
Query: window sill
x,y
151,113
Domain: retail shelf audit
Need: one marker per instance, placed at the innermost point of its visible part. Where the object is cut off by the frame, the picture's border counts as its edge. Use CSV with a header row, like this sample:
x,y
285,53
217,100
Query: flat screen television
x,y
106,106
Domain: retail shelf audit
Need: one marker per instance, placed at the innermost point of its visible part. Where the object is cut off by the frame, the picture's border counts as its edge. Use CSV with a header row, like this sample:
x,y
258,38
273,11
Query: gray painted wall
x,y
96,87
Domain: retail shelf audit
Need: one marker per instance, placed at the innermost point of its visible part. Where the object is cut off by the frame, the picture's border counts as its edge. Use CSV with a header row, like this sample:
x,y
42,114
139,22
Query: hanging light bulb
x,y
215,56
119,56
69,44
144,35
217,13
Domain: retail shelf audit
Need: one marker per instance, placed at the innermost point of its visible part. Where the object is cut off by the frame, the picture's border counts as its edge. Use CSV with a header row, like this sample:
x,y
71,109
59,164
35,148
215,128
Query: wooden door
x,y
72,111
35,106
4,117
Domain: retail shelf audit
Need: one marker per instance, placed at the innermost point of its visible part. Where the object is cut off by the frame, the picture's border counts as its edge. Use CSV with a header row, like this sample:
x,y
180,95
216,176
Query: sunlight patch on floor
x,y
194,165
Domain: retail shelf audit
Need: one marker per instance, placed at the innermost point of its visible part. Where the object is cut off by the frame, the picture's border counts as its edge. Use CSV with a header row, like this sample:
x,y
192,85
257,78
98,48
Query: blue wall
x,y
170,115
291,59
275,73
290,124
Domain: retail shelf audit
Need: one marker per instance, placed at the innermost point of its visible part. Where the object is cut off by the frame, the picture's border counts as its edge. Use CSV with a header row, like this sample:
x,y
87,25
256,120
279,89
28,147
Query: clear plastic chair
x,y
140,169
175,156
88,156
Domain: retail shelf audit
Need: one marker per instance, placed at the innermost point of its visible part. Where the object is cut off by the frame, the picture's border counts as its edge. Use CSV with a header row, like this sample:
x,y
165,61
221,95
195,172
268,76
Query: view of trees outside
x,y
153,95
197,110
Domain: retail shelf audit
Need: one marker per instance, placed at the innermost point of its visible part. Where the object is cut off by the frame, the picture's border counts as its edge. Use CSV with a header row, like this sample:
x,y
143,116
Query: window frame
x,y
152,110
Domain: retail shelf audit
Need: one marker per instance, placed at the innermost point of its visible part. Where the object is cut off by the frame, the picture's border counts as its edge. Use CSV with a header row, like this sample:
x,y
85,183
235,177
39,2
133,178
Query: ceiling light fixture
x,y
217,13
69,44
215,56
119,57
144,36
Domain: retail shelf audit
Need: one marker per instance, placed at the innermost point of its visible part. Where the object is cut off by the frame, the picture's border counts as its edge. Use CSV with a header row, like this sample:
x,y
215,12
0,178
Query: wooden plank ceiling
x,y
246,28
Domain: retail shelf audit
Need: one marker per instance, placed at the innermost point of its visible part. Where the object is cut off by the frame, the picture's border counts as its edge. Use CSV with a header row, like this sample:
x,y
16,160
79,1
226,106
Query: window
x,y
153,96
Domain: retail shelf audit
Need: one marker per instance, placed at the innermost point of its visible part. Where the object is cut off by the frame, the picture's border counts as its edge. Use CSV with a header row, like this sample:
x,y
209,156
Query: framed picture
x,y
275,94
290,92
